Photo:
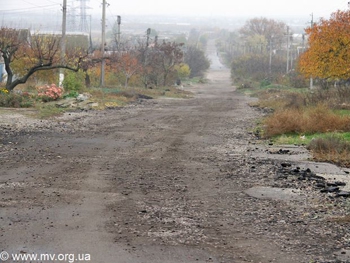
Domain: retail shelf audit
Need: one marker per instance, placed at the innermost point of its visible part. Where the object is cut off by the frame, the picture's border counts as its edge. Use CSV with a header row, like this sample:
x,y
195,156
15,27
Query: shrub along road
x,y
169,180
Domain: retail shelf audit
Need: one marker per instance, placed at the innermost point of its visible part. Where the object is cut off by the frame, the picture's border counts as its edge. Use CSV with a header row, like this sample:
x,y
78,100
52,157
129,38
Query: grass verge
x,y
48,110
310,120
104,97
319,119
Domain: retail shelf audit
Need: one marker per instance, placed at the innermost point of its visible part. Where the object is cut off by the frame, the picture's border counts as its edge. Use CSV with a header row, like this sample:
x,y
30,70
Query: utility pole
x,y
287,49
270,58
311,79
103,43
119,21
63,41
148,32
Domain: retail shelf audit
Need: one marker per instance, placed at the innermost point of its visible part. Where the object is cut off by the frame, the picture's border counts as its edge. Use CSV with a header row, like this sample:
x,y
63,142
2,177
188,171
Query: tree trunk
x,y
9,83
87,80
126,81
165,78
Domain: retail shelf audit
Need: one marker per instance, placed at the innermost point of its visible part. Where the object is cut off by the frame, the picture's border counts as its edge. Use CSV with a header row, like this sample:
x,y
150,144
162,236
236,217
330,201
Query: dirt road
x,y
161,181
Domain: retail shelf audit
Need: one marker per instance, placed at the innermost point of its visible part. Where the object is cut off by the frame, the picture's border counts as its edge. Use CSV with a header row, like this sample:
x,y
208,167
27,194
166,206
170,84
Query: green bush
x,y
265,83
74,81
71,94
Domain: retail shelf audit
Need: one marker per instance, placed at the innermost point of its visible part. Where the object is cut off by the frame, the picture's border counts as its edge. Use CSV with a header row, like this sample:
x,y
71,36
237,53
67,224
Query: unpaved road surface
x,y
168,181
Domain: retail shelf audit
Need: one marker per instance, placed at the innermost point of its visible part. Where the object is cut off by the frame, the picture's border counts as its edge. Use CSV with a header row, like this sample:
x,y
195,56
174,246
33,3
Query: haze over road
x,y
212,53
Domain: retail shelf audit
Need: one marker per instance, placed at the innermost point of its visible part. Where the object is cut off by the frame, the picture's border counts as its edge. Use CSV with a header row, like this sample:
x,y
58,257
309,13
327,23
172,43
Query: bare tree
x,y
159,61
24,55
170,54
264,27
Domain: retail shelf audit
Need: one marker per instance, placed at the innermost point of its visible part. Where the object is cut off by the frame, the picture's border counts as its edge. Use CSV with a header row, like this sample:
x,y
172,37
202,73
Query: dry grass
x,y
319,111
317,119
331,149
278,99
334,98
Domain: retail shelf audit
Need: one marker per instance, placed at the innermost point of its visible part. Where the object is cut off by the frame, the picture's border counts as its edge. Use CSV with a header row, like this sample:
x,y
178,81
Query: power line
x,y
30,3
26,9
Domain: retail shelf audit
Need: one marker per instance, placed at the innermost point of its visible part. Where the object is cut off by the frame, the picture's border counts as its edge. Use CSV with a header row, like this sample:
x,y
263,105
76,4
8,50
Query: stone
x,y
335,184
66,103
85,105
343,194
330,189
320,185
286,164
84,97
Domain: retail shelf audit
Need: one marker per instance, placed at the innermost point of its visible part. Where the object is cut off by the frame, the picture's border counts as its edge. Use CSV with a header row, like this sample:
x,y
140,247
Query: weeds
x,y
305,139
310,120
48,110
332,148
335,98
319,118
13,100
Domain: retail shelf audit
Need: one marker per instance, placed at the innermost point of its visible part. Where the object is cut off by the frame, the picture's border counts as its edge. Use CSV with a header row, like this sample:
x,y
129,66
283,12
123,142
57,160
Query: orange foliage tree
x,y
127,63
328,55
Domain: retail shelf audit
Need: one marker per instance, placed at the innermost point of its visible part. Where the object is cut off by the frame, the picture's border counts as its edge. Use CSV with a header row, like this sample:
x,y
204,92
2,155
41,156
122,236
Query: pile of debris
x,y
286,170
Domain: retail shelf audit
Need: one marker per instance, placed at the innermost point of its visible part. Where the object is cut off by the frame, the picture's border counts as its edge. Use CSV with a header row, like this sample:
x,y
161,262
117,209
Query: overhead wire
x,y
31,8
18,16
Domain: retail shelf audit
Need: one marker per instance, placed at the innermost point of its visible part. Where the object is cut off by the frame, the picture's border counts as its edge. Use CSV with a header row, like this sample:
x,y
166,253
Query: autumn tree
x,y
265,29
183,71
150,70
24,55
127,63
259,51
159,62
169,55
328,55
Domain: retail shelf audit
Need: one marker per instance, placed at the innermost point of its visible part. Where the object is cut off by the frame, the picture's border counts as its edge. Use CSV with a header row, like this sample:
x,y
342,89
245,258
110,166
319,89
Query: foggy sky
x,y
241,8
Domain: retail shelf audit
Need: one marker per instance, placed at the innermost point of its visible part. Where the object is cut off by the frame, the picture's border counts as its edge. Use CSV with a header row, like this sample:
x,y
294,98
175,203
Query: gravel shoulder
x,y
168,180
